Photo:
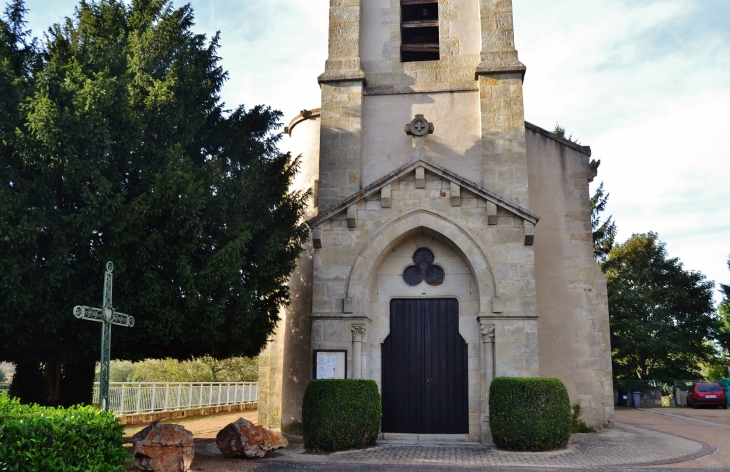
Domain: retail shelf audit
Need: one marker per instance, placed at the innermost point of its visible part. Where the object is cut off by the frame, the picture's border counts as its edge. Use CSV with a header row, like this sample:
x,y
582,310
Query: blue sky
x,y
645,84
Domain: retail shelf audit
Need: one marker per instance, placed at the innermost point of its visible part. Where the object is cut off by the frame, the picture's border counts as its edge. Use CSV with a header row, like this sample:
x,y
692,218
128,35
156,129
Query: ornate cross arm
x,y
97,314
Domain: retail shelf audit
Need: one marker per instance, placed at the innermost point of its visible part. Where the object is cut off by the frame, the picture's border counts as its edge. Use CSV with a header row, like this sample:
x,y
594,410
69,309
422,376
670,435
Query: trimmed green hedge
x,y
78,439
341,414
529,414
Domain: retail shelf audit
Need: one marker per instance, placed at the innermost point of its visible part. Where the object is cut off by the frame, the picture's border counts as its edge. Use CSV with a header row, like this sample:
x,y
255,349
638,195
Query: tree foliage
x,y
662,316
604,231
560,132
121,150
724,311
198,369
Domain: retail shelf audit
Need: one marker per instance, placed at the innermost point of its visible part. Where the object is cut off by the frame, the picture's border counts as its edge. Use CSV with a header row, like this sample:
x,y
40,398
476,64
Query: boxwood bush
x,y
529,414
341,414
80,438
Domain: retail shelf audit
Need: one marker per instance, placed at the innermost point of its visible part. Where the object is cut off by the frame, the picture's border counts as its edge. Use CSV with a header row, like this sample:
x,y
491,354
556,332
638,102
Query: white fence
x,y
130,398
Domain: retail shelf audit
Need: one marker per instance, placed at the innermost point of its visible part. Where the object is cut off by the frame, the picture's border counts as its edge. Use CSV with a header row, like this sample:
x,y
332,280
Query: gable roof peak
x,y
434,168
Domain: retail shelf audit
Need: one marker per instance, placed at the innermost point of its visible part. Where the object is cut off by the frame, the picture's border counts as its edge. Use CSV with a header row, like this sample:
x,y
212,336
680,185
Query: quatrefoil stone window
x,y
423,269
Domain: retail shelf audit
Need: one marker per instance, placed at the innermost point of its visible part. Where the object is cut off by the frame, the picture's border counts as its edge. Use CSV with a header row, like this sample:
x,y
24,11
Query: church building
x,y
451,240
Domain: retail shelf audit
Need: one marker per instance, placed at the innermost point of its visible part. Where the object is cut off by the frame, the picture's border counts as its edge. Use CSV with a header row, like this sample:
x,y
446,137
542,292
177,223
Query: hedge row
x,y
341,414
529,414
80,438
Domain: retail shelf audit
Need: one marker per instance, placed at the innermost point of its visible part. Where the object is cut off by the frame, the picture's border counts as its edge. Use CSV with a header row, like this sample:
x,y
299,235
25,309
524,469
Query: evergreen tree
x,y
604,232
663,320
123,151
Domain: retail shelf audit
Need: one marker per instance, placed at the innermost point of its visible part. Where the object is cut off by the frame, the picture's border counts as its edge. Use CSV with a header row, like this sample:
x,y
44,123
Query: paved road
x,y
359,468
709,425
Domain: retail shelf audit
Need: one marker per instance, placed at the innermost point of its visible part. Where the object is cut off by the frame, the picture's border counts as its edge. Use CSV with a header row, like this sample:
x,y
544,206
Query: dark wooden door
x,y
425,370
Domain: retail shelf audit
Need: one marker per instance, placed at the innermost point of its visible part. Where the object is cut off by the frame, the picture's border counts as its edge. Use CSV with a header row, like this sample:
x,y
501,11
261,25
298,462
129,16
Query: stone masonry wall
x,y
503,136
284,364
459,49
571,289
340,141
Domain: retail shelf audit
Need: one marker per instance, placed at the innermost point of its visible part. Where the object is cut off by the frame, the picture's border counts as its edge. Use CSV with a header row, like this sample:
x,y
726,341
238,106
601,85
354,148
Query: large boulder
x,y
243,439
163,448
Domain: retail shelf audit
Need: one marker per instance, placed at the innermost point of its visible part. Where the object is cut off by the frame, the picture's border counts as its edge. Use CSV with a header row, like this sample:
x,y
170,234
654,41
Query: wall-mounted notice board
x,y
330,364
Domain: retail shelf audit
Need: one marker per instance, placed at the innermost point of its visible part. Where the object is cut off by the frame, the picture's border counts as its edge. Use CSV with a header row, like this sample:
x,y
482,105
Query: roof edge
x,y
566,142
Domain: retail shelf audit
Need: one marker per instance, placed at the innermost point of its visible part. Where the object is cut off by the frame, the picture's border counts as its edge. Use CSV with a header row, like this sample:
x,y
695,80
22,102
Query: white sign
x,y
330,365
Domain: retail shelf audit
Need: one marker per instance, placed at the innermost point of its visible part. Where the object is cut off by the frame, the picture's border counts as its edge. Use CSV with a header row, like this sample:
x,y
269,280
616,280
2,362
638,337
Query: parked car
x,y
706,394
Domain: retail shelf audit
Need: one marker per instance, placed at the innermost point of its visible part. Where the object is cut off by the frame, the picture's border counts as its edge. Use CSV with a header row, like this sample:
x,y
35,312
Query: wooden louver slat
x,y
417,2
420,24
420,47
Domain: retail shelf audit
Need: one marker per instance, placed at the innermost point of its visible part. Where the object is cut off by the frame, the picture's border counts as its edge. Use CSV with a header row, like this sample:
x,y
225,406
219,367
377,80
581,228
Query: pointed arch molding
x,y
376,248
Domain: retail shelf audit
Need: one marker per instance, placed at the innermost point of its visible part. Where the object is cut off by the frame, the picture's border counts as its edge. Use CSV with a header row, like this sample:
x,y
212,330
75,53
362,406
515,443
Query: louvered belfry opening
x,y
419,30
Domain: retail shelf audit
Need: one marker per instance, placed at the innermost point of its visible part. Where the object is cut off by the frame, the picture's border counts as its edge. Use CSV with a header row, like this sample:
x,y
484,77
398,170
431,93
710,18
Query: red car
x,y
706,394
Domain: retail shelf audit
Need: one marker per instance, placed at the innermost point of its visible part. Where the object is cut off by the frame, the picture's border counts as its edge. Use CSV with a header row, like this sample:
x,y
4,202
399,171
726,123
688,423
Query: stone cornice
x,y
302,116
422,88
342,76
489,68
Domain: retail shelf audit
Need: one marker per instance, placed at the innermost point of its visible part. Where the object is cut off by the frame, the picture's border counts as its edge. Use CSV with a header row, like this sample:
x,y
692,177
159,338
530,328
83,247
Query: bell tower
x,y
451,60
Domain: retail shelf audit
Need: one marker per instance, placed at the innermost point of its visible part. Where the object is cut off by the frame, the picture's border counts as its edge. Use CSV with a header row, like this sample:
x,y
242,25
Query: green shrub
x,y
578,425
529,414
80,438
341,414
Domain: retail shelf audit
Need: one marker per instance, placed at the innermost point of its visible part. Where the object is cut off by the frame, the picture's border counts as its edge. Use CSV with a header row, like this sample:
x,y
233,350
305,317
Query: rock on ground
x,y
242,439
163,448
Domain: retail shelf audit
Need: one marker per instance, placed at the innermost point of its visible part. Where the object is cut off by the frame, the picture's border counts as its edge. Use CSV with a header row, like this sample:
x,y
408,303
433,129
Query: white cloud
x,y
646,84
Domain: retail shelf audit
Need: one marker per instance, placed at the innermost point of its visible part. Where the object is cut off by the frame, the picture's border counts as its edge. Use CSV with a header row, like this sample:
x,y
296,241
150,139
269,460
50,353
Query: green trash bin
x,y
725,384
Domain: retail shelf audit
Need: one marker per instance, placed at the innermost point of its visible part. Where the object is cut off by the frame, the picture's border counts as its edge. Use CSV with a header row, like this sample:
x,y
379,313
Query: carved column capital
x,y
487,331
358,332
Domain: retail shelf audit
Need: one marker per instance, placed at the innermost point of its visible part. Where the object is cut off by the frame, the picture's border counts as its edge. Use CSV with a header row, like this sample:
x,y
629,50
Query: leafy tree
x,y
724,311
122,151
662,316
201,369
604,232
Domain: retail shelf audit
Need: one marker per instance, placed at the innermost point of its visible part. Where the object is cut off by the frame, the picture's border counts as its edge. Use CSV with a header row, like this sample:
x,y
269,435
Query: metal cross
x,y
108,316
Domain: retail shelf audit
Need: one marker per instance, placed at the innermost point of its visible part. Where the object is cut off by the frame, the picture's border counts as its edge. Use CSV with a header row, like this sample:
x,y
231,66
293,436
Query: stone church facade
x,y
451,240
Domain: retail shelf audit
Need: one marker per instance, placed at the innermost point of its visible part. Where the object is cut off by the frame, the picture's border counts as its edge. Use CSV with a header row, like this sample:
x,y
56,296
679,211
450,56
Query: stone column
x,y
500,75
342,87
487,373
358,332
